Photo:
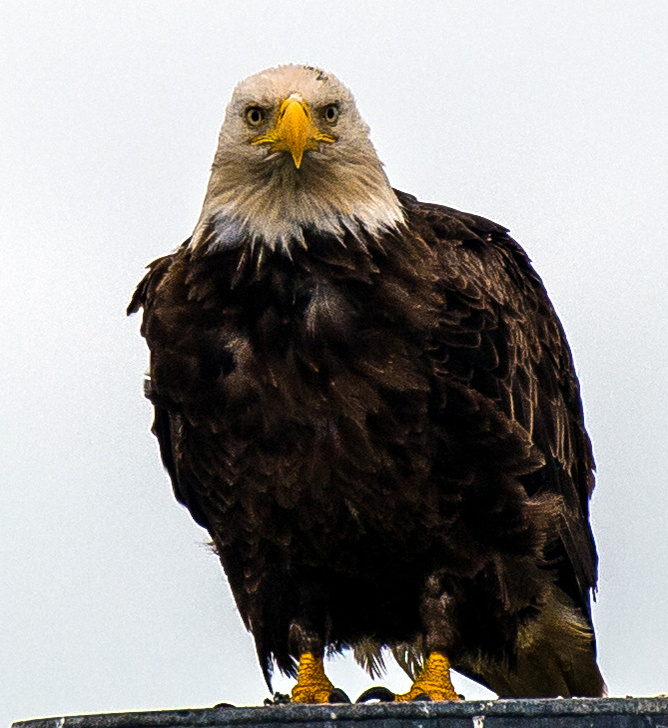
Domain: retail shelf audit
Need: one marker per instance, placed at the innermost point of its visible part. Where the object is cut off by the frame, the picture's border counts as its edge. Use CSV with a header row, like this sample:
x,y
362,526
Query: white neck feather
x,y
273,203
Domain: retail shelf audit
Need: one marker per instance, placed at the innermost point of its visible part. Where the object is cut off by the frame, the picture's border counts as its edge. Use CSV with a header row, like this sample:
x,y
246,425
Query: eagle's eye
x,y
331,113
254,115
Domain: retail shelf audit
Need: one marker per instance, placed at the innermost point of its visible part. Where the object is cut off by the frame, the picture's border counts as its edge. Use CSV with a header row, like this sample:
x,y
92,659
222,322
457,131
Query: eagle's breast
x,y
308,389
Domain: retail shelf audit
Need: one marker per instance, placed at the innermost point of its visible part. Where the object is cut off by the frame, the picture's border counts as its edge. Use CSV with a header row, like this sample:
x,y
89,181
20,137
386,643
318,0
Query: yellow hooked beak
x,y
294,131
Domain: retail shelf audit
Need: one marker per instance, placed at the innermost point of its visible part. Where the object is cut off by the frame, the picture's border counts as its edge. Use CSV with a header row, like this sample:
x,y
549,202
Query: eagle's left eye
x,y
254,115
331,113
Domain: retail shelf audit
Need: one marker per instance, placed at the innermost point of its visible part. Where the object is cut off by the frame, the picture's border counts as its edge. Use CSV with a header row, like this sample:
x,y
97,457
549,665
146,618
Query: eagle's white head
x,y
293,155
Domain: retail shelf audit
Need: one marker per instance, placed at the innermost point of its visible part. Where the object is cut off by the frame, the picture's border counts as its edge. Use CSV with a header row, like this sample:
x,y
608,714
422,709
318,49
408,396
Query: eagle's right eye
x,y
254,115
331,113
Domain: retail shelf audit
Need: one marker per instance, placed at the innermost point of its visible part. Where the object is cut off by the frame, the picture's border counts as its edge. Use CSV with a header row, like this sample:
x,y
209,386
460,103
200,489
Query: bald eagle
x,y
370,404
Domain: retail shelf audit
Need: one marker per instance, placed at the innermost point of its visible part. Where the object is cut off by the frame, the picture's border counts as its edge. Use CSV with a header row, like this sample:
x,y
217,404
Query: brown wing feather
x,y
167,422
499,335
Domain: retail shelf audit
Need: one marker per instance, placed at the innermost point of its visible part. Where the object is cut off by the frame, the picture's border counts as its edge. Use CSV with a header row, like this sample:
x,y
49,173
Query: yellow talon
x,y
433,681
313,686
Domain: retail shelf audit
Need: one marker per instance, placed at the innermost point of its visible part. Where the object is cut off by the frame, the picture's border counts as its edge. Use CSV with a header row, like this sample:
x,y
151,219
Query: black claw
x,y
278,699
338,696
379,693
224,705
423,697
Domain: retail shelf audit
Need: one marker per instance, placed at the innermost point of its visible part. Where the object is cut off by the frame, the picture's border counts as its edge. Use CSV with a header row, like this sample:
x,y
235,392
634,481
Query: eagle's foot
x,y
433,683
313,686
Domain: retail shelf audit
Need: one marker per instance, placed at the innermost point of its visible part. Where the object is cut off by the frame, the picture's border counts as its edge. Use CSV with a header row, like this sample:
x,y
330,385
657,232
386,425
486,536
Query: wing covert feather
x,y
499,334
167,422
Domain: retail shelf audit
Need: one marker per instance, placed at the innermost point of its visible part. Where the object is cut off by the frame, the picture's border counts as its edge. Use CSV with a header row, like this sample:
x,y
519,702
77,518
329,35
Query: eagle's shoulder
x,y
152,278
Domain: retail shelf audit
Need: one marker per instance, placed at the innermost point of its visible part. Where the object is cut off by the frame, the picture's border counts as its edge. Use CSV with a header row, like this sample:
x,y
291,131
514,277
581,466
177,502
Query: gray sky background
x,y
548,117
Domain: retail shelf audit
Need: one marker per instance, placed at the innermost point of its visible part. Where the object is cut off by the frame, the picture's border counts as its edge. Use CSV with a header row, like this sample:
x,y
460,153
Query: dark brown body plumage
x,y
384,438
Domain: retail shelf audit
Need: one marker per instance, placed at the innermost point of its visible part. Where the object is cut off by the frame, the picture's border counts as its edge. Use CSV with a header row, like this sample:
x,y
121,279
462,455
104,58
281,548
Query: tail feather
x,y
556,656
